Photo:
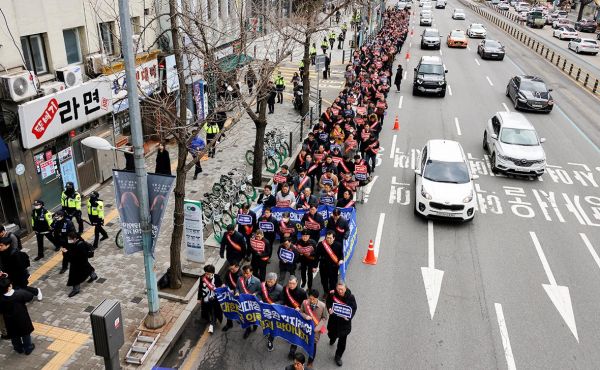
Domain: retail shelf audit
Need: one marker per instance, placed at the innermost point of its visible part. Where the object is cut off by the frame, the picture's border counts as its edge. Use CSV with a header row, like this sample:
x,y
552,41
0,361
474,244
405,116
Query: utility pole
x,y
153,320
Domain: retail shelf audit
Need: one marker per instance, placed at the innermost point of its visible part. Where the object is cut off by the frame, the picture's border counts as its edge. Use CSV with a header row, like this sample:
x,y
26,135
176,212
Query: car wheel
x,y
560,37
415,91
594,53
485,144
493,163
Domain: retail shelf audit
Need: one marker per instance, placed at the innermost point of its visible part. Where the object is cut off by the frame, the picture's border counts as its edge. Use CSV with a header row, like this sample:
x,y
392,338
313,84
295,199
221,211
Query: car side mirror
x,y
418,172
494,136
446,71
542,140
474,177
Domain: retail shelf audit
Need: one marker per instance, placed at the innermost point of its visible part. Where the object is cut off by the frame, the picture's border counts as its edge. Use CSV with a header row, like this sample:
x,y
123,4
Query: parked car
x,y
565,33
530,93
457,38
443,182
586,25
561,22
430,38
458,14
513,3
503,6
491,49
476,30
514,145
582,45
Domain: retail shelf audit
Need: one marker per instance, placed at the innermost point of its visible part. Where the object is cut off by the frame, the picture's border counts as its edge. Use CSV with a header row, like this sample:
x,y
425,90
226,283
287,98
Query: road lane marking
x,y
430,245
193,355
510,360
468,48
589,246
405,73
450,90
378,234
432,277
441,52
400,102
393,150
457,126
506,107
489,81
476,61
368,187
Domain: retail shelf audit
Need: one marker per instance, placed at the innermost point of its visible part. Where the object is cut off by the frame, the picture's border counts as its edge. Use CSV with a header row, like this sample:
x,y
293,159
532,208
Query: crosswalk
x,y
335,81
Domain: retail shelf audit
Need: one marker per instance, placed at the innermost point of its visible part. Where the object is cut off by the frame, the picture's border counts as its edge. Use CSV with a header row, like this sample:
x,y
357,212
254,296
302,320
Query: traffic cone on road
x,y
407,55
370,258
396,124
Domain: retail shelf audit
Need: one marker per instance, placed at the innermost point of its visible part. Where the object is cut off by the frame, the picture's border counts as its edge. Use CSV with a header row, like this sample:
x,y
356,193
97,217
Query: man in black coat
x,y
268,225
293,296
15,264
231,279
267,199
313,222
209,305
339,327
270,292
77,251
338,225
398,77
331,256
14,310
234,244
246,221
163,161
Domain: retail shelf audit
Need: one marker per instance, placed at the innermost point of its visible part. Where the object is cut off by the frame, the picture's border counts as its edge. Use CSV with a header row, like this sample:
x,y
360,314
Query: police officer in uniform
x,y
279,87
331,256
61,228
70,200
95,209
41,222
212,130
231,278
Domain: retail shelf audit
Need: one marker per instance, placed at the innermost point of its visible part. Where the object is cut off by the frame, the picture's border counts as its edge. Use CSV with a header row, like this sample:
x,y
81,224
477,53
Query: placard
x,y
244,219
194,236
342,310
287,256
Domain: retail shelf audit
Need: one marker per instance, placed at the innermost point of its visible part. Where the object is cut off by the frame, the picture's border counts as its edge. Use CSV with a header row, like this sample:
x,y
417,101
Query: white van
x,y
440,4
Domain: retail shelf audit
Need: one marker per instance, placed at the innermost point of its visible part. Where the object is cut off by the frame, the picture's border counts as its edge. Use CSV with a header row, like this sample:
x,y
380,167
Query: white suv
x,y
514,145
443,182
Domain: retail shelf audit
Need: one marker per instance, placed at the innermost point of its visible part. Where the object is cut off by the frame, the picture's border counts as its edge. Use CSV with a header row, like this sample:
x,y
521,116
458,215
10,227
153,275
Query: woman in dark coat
x,y
163,162
18,323
209,305
398,77
77,251
338,327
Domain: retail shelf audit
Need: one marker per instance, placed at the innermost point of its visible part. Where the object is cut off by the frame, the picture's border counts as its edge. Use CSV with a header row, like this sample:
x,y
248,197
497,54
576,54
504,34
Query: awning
x,y
233,61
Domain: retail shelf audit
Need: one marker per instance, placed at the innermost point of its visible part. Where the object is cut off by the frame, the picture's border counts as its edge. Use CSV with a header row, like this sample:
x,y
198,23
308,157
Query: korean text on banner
x,y
194,238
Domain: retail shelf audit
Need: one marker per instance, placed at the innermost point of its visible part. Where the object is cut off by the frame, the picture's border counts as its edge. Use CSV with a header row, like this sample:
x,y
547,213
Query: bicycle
x,y
119,239
271,158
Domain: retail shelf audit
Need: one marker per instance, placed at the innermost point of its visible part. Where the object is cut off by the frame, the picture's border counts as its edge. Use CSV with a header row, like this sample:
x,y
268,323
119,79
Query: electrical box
x,y
107,328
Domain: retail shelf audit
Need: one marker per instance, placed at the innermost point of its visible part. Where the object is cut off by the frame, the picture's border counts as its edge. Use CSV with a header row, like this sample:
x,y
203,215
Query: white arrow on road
x,y
432,277
559,295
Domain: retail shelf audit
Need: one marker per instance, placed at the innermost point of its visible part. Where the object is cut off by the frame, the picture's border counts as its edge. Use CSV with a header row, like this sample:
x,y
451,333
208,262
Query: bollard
x,y
587,77
291,142
570,68
578,73
595,86
564,64
254,51
547,52
558,60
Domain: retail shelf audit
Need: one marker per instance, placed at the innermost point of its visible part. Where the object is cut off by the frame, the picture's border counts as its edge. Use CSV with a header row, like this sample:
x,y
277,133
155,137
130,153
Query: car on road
x,y
530,93
535,19
522,7
513,3
458,14
443,182
476,30
565,33
583,45
401,5
430,38
440,4
561,22
586,25
422,2
491,49
558,14
430,76
513,145
503,6
427,6
457,39
426,19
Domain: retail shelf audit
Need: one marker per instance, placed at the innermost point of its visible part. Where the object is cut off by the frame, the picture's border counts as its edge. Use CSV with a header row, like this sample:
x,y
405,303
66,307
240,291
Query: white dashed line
x,y
476,61
405,73
506,107
457,126
400,102
449,90
508,354
490,81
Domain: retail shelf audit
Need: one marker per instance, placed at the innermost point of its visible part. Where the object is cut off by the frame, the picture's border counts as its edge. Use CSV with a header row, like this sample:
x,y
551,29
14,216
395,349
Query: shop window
x,y
72,45
82,153
107,37
34,51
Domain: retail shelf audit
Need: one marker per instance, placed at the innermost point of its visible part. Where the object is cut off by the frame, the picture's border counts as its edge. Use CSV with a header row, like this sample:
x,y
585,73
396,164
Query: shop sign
x,y
172,77
146,75
48,117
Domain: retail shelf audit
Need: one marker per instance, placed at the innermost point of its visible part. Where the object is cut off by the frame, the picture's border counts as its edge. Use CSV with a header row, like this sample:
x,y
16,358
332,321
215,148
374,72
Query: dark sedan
x,y
586,25
530,93
490,49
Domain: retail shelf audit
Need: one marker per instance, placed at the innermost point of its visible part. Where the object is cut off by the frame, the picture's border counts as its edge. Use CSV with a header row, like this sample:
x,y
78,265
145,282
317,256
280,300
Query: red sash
x,y
350,204
304,250
373,149
330,252
265,293
284,228
302,182
318,157
290,298
374,125
336,160
233,283
336,299
208,284
283,203
244,288
311,313
311,169
279,178
339,230
365,135
233,244
344,165
312,224
257,245
350,185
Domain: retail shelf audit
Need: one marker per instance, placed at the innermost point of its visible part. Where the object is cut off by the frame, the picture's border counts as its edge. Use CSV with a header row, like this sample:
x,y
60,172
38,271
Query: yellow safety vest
x,y
332,35
46,216
279,81
344,27
325,44
211,129
301,64
313,50
97,211
71,203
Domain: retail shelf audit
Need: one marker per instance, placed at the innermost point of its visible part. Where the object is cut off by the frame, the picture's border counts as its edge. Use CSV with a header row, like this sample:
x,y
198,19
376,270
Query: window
x,y
72,45
135,25
34,51
106,35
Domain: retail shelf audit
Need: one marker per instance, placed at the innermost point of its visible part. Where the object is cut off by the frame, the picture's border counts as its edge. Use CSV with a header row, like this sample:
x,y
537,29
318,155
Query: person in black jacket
x,y
293,296
331,256
234,244
209,305
268,225
77,251
61,228
338,225
41,221
299,360
15,263
267,199
313,222
398,77
163,161
288,259
231,278
261,251
14,310
272,93
339,327
246,224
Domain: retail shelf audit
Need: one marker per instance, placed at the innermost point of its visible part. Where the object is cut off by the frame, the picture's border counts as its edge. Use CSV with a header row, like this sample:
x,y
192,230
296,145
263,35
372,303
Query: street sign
x,y
319,63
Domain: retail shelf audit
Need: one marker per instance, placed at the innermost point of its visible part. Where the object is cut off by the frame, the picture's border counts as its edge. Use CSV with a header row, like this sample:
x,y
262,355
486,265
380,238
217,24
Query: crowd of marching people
x,y
337,159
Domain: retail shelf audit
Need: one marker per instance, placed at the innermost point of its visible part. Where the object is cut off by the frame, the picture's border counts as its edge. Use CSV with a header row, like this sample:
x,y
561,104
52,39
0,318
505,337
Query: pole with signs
x,y
194,238
319,66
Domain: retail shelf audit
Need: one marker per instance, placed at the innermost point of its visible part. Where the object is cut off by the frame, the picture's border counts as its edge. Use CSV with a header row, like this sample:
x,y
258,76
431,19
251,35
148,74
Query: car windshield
x,y
477,27
535,86
492,44
435,69
431,34
457,34
517,136
591,42
569,29
451,172
458,11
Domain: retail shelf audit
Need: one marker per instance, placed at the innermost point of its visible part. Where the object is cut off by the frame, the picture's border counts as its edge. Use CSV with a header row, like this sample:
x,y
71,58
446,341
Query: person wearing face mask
x,y
70,200
95,209
15,263
41,222
61,228
209,305
316,311
77,252
13,307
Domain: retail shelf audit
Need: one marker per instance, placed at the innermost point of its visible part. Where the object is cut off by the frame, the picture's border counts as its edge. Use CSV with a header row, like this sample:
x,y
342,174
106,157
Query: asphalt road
x,y
520,282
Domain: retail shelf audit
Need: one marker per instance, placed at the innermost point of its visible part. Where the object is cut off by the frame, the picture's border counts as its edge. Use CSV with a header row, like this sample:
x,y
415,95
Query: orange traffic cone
x,y
412,31
407,55
370,258
396,124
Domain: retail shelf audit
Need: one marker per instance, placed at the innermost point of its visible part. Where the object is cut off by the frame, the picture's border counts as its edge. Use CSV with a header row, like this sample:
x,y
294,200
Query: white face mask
x,y
38,207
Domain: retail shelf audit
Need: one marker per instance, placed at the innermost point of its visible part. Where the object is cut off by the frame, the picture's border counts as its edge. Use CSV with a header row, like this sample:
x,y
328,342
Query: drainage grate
x,y
136,300
100,280
109,224
89,309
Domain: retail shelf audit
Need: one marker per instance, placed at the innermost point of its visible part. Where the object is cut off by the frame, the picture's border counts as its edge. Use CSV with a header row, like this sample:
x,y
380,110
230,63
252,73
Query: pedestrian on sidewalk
x,y
15,263
70,200
326,69
299,360
61,227
341,39
79,251
332,38
95,209
209,305
250,79
344,29
271,97
163,161
196,147
41,222
16,317
316,311
296,79
337,16
398,77
339,327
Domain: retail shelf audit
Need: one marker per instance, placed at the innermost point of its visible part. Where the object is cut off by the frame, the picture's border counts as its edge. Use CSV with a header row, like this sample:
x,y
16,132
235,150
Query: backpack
x,y
90,249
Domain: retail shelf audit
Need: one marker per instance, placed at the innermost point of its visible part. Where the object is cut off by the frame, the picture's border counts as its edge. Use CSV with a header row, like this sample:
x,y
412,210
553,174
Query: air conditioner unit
x,y
52,87
18,86
95,62
137,44
70,75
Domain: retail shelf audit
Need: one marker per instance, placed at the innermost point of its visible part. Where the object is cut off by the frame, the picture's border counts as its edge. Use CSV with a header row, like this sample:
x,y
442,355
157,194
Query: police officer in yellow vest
x,y
313,53
95,209
344,28
279,87
332,37
212,130
324,45
301,69
41,221
70,200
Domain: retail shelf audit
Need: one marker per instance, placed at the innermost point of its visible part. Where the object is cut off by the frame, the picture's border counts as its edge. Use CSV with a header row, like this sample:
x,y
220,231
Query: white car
x,y
458,14
443,182
522,16
522,7
514,145
440,4
561,22
580,45
427,6
503,6
476,30
566,33
513,3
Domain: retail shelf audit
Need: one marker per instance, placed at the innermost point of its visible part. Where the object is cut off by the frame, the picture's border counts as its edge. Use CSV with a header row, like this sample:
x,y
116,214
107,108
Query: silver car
x,y
514,145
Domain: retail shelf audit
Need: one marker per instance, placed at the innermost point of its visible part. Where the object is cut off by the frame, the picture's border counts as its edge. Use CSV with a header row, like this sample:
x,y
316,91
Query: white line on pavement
x,y
410,45
476,61
542,256
441,52
510,360
505,107
405,73
378,235
449,90
590,248
457,126
393,146
468,47
489,81
400,102
430,245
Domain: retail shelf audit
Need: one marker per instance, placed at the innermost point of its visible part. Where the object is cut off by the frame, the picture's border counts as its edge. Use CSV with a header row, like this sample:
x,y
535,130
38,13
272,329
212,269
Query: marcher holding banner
x,y
288,259
287,228
234,244
306,248
313,222
231,279
331,257
305,199
338,225
209,305
315,310
293,296
248,284
246,221
268,225
342,308
272,293
261,251
282,177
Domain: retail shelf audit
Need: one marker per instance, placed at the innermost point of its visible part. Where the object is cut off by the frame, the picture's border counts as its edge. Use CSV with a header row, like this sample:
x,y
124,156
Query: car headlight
x,y
521,97
502,156
440,83
468,198
424,193
419,81
550,102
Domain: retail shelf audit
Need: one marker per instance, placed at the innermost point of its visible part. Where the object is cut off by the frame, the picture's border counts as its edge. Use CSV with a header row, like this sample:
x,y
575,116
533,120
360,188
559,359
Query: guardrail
x,y
582,76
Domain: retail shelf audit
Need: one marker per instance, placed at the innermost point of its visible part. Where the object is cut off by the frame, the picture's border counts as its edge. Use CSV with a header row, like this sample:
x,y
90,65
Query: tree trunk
x,y
582,6
259,138
306,79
